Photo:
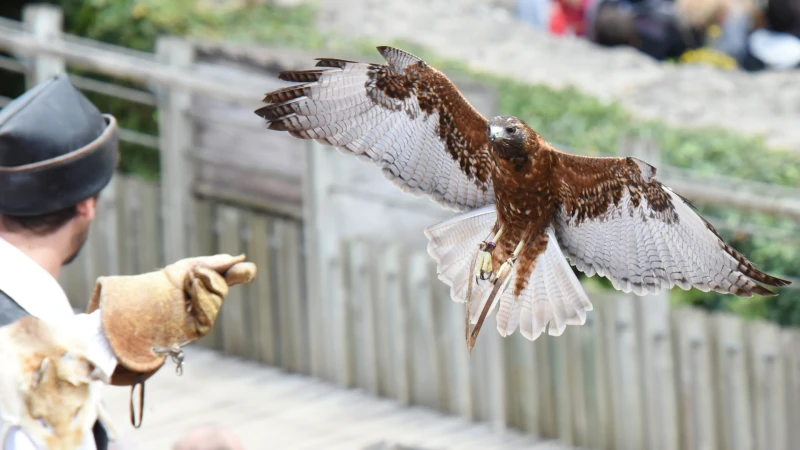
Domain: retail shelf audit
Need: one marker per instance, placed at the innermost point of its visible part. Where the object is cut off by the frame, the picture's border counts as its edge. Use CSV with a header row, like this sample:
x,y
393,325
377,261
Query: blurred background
x,y
706,90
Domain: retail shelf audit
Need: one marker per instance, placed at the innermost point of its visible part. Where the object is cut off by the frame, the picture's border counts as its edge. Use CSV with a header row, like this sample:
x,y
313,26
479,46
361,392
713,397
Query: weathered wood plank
x,y
457,358
383,296
106,227
769,386
521,375
576,388
126,226
205,244
604,389
695,384
657,373
175,132
589,433
790,346
735,421
363,297
318,237
258,251
494,367
293,323
437,323
234,314
563,384
425,368
149,237
395,294
546,387
341,324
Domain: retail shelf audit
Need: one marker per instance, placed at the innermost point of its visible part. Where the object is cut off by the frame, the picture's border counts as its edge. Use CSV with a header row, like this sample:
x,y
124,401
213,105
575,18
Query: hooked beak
x,y
496,133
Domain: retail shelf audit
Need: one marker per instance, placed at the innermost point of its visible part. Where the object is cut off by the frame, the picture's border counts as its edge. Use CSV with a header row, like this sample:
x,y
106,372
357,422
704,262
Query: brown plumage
x,y
609,216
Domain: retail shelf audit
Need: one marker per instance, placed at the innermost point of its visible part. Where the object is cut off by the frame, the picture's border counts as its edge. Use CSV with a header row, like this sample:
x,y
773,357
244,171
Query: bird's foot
x,y
500,285
483,269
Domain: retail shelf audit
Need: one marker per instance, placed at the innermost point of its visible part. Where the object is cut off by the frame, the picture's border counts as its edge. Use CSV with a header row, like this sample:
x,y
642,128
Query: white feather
x,y
552,296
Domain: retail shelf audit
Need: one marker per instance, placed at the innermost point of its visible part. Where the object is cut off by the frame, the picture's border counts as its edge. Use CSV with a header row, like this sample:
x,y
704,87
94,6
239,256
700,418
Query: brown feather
x,y
391,87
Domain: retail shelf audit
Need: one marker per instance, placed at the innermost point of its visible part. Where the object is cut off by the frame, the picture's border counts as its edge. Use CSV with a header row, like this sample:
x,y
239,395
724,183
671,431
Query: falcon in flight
x,y
524,205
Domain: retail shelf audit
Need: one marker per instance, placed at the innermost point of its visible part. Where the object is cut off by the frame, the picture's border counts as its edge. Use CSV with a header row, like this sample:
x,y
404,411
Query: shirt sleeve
x,y
90,329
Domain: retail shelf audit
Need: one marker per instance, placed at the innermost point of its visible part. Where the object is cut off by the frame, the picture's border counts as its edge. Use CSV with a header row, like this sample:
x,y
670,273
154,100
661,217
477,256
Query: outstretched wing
x,y
404,116
618,221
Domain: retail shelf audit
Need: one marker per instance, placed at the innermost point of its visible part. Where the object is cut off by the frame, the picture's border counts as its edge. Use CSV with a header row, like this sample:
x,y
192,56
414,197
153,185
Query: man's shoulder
x,y
10,311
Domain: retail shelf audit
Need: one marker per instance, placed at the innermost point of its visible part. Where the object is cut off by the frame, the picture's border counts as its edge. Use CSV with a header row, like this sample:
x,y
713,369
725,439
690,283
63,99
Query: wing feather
x,y
403,116
618,221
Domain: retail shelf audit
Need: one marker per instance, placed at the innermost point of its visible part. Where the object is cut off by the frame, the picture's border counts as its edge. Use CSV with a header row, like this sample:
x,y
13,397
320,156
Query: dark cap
x,y
56,149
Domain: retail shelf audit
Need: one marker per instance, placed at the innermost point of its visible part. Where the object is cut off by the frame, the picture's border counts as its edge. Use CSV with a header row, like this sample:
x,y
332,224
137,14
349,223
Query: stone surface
x,y
489,38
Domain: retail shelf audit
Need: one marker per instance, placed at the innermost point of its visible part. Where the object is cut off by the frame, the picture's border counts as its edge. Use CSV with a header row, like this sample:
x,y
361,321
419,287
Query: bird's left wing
x,y
404,116
617,220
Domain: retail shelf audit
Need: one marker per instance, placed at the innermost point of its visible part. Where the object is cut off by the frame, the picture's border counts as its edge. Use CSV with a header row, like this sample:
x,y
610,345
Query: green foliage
x,y
137,23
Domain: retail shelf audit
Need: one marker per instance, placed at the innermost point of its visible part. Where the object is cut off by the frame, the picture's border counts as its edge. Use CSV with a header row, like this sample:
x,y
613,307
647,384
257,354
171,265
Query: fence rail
x,y
371,314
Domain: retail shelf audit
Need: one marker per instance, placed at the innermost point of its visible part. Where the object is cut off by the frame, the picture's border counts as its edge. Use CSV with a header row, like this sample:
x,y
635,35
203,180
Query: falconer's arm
x,y
131,326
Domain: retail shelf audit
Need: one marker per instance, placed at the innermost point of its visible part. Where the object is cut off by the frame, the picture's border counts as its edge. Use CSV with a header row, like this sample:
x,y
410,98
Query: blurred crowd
x,y
750,35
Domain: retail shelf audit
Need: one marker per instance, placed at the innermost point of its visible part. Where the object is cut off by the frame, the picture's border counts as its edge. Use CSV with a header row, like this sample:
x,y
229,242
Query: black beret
x,y
56,149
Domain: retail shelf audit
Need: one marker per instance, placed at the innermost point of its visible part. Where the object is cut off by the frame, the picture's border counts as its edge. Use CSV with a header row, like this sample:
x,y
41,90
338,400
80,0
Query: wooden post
x,y
625,357
736,423
695,383
768,384
46,23
175,139
316,214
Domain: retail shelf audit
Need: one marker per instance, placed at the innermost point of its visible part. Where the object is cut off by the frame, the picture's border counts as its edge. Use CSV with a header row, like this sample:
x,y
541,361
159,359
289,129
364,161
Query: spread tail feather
x,y
553,294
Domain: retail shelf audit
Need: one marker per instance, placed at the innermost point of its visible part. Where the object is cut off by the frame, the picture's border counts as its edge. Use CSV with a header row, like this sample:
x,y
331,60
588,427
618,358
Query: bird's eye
x,y
511,130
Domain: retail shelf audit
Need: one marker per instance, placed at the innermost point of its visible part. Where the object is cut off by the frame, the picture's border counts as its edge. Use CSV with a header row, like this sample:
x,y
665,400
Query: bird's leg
x,y
483,271
469,294
500,285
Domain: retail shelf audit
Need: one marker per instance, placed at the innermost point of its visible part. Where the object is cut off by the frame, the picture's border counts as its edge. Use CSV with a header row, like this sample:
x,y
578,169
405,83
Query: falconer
x,y
57,153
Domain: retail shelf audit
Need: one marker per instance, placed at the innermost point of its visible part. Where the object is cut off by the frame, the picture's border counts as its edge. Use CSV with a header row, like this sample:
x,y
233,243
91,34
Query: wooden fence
x,y
637,375
370,313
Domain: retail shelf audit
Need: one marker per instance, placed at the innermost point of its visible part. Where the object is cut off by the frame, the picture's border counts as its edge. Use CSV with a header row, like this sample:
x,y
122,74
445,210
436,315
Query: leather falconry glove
x,y
151,316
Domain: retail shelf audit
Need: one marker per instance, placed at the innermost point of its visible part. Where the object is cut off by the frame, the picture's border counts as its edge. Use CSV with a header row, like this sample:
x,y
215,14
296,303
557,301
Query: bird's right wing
x,y
619,221
404,116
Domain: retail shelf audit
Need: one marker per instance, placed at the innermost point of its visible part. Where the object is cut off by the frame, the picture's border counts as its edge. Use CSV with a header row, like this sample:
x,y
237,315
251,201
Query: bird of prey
x,y
525,207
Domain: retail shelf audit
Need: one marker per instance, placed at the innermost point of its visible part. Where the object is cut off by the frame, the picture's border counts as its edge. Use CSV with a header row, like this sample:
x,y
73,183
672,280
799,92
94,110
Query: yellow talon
x,y
483,269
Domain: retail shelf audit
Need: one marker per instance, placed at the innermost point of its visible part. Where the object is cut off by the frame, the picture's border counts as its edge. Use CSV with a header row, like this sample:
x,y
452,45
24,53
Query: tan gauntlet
x,y
148,317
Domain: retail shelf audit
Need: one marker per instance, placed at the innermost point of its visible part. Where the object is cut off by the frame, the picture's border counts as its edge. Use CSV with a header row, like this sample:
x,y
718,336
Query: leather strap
x,y
139,381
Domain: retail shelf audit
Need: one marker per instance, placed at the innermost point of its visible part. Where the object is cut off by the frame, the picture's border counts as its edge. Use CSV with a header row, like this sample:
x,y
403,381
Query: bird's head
x,y
508,136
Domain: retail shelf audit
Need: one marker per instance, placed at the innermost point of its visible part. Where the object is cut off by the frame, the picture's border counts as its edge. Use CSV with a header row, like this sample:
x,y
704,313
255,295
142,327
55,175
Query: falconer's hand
x,y
151,316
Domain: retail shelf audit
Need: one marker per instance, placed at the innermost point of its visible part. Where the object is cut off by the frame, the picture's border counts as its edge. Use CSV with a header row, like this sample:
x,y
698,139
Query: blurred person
x,y
725,24
208,437
57,152
739,19
776,45
535,12
569,17
651,26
